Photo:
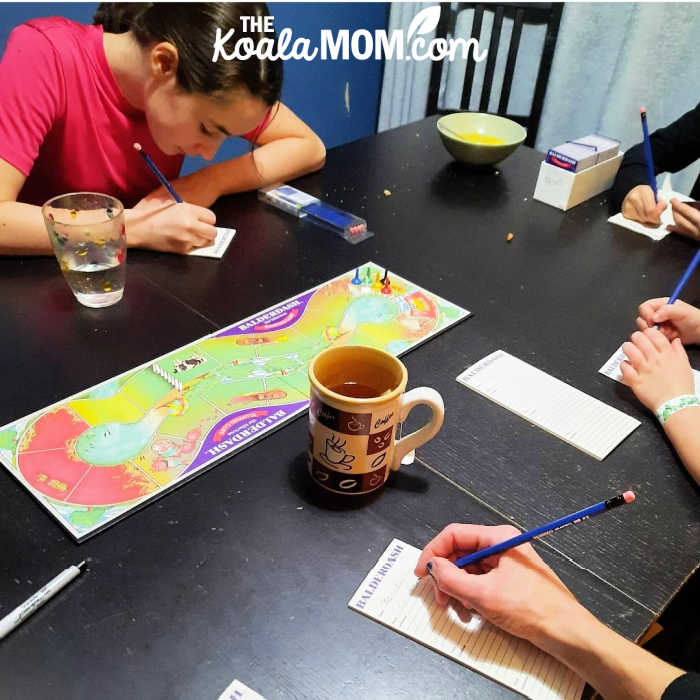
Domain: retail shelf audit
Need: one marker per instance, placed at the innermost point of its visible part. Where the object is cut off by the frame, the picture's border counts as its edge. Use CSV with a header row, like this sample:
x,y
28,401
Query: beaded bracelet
x,y
667,409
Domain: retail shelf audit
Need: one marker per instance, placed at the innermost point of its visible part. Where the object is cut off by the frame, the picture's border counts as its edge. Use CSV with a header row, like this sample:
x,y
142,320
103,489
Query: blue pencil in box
x,y
350,227
583,153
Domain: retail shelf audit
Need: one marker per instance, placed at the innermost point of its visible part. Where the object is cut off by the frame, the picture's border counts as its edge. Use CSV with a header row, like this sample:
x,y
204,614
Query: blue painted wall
x,y
314,90
317,89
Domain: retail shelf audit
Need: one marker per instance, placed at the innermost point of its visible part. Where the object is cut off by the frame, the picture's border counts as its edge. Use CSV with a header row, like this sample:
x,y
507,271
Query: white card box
x,y
563,189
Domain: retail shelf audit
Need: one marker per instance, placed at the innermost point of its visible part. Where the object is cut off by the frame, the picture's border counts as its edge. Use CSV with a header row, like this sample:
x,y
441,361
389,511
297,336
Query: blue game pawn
x,y
356,279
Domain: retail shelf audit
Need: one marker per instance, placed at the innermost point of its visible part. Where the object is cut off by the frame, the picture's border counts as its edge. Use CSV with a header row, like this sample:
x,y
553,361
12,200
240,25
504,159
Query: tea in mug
x,y
356,390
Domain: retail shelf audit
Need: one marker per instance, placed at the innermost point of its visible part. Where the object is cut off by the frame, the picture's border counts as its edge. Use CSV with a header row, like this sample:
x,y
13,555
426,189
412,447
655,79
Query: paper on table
x,y
216,250
239,691
577,418
658,232
391,595
612,369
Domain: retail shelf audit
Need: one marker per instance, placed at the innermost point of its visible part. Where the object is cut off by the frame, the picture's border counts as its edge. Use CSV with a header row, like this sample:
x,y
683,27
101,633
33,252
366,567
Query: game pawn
x,y
366,281
355,285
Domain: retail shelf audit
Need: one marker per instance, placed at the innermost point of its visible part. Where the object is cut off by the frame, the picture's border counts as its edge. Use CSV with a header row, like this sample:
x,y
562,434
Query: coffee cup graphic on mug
x,y
357,401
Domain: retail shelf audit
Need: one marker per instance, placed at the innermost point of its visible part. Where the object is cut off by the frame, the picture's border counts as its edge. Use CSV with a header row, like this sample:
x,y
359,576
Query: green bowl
x,y
506,134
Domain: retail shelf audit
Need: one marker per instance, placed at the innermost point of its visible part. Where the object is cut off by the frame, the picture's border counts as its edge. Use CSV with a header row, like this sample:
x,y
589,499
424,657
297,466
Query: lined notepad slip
x,y
216,250
612,369
392,595
656,233
239,691
577,418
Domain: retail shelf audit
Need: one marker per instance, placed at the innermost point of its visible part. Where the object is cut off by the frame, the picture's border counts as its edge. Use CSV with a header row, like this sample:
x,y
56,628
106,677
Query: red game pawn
x,y
386,289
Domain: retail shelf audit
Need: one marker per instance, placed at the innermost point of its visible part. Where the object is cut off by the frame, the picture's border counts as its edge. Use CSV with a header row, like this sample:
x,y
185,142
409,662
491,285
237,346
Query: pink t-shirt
x,y
63,121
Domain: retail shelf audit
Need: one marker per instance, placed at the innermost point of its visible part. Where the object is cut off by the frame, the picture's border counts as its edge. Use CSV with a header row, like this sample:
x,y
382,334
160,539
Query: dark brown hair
x,y
191,28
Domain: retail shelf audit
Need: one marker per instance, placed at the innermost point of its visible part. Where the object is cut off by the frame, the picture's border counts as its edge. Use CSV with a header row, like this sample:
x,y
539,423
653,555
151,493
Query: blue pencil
x,y
686,276
158,174
542,530
647,154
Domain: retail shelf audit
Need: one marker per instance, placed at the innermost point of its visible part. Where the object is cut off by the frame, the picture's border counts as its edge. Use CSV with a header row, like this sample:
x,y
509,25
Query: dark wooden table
x,y
246,571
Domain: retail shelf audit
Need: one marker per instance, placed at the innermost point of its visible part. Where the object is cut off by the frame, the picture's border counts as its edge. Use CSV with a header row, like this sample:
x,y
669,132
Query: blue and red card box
x,y
583,153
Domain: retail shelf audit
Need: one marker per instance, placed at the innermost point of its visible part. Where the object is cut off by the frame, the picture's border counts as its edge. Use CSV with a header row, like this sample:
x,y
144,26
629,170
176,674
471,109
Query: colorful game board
x,y
96,456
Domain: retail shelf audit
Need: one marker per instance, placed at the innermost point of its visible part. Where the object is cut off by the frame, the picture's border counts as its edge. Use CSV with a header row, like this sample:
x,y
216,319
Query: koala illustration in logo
x,y
335,454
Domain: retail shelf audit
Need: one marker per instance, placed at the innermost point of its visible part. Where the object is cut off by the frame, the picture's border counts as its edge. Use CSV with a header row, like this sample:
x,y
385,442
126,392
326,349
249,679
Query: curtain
x,y
405,83
610,59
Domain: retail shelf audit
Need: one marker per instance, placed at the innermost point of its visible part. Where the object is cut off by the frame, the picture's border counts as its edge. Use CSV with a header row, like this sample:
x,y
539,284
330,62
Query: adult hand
x,y
677,320
686,220
170,227
657,370
515,590
639,205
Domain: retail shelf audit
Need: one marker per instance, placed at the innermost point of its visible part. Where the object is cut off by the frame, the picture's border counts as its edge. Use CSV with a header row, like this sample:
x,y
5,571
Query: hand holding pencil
x,y
639,205
168,223
519,593
516,590
495,571
643,204
677,320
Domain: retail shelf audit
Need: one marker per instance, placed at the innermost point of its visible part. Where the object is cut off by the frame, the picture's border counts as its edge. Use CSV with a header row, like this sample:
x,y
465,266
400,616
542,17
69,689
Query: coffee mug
x,y
357,400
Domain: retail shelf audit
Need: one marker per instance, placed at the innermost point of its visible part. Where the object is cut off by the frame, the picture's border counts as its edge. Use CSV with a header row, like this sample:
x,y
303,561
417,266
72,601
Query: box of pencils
x,y
348,226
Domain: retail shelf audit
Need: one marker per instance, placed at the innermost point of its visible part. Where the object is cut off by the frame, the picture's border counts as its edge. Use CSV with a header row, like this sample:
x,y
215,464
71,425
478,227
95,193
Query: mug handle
x,y
421,395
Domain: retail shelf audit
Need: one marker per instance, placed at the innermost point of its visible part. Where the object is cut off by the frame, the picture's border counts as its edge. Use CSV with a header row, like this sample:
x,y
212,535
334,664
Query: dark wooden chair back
x,y
548,14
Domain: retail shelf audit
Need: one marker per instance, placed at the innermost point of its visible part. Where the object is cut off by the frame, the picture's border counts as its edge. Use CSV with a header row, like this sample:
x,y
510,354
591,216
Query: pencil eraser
x,y
642,110
137,146
628,496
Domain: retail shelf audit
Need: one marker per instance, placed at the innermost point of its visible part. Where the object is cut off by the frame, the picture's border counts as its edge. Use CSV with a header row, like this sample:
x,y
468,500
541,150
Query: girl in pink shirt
x,y
74,98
